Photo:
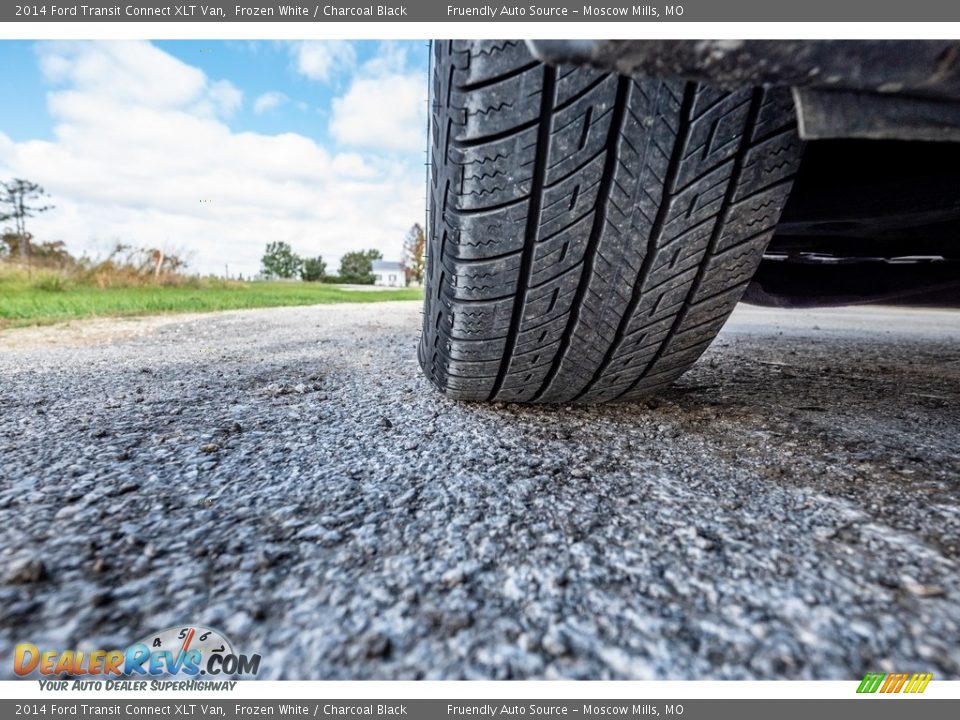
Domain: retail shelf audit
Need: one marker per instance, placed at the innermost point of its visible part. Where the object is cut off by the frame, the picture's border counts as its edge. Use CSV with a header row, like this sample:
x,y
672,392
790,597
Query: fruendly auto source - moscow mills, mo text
x,y
546,11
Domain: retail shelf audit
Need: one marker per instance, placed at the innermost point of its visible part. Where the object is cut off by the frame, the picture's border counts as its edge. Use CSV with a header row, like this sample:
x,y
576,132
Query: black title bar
x,y
469,11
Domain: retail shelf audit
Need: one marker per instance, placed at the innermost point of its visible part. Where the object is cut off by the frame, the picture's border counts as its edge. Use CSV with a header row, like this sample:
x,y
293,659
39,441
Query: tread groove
x,y
532,229
487,82
738,160
673,170
607,179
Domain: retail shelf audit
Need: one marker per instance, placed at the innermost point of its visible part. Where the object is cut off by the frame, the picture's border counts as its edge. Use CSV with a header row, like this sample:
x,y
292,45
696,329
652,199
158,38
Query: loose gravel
x,y
790,509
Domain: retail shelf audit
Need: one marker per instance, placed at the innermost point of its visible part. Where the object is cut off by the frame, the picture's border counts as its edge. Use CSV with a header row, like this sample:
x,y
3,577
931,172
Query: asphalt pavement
x,y
791,509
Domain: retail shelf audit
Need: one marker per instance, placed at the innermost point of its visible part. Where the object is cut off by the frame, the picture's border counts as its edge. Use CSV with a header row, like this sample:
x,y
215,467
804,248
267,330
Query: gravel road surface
x,y
791,509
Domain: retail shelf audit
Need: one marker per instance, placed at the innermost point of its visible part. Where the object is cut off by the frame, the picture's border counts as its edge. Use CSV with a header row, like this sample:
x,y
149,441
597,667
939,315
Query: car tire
x,y
589,233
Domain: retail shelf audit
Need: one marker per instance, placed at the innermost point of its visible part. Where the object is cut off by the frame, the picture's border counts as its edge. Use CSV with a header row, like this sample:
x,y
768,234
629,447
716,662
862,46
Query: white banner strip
x,y
478,689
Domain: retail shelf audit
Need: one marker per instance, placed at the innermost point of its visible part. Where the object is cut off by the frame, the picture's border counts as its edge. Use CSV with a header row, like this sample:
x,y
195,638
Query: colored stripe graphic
x,y
918,683
870,683
894,682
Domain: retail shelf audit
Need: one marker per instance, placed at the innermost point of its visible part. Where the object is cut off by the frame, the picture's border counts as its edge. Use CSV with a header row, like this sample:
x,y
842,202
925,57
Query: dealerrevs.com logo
x,y
190,650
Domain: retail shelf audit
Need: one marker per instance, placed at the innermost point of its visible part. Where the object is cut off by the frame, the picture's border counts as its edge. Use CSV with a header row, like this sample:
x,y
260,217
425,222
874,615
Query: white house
x,y
388,273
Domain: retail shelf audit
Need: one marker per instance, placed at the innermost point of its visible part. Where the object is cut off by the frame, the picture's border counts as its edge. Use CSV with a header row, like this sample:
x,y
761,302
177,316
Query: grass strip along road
x,y
24,303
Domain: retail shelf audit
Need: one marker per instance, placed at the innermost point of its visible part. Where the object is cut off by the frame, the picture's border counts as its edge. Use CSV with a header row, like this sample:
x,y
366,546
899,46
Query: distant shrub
x,y
356,268
129,266
313,269
50,282
48,266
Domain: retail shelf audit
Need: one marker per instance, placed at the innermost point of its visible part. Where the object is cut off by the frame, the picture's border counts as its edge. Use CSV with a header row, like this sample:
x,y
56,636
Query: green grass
x,y
47,299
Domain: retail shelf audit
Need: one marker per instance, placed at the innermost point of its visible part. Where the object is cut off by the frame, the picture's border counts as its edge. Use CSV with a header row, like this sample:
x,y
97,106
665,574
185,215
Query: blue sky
x,y
319,143
26,117
260,67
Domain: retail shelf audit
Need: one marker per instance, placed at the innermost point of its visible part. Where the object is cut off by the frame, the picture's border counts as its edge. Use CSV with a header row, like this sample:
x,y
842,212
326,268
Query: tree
x,y
357,267
18,201
280,261
313,270
52,253
414,246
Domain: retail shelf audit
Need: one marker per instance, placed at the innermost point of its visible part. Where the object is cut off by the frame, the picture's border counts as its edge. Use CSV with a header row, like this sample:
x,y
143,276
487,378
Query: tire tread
x,y
589,233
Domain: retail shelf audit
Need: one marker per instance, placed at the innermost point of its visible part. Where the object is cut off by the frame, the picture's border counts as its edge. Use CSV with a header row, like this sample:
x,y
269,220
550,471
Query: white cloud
x,y
391,58
268,101
224,97
385,106
130,164
137,74
385,112
320,59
